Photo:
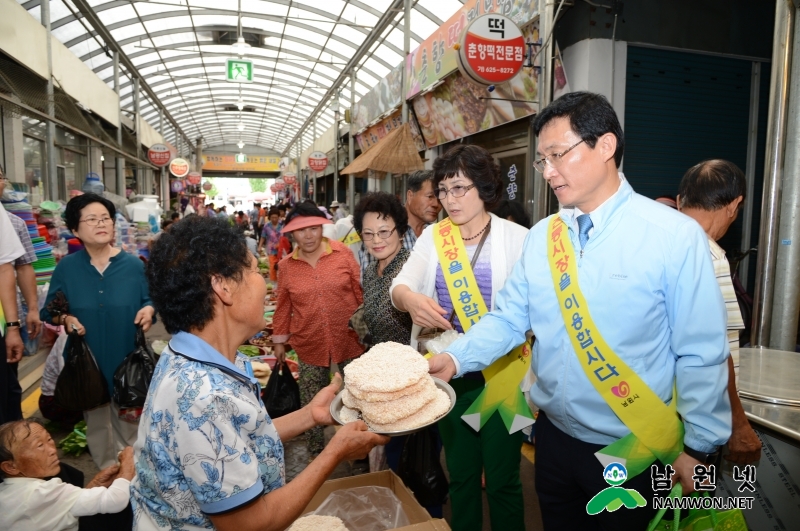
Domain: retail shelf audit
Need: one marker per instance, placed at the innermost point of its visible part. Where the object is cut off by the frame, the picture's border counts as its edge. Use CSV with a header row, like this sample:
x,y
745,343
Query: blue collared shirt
x,y
206,444
648,279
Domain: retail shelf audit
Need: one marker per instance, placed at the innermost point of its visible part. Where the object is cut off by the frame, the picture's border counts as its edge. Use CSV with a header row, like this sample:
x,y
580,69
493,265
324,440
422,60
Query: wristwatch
x,y
11,324
707,458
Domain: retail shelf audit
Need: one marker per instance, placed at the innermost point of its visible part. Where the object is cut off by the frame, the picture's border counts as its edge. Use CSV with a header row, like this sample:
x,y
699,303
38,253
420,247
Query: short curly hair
x,y
72,214
384,204
476,164
182,263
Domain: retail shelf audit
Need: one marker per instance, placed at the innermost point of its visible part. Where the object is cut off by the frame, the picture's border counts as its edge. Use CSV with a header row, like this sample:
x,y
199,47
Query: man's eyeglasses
x,y
93,222
456,191
383,234
554,160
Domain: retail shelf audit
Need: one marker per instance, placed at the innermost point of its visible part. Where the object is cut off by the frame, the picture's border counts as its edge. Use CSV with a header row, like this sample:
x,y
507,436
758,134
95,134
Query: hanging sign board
x,y
159,155
492,50
279,185
239,71
207,186
273,188
194,178
289,178
317,161
177,186
179,167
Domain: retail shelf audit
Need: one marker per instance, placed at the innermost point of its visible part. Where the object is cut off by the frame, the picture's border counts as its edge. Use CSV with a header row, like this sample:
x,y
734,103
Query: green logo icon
x,y
614,497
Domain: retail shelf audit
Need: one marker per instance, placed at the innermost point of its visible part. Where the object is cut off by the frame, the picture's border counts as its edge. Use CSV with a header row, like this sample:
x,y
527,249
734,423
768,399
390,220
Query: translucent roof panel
x,y
300,51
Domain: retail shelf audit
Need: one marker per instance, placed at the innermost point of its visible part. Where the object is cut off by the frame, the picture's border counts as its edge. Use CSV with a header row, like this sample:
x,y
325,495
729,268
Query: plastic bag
x,y
365,508
132,377
80,386
440,343
421,470
282,394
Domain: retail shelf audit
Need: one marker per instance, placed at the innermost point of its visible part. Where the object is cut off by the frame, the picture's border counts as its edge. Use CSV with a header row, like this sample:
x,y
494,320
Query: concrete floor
x,y
297,456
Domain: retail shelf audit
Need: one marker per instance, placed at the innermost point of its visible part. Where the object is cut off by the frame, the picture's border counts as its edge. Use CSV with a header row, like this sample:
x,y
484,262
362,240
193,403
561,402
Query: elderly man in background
x,y
11,346
712,193
422,207
26,276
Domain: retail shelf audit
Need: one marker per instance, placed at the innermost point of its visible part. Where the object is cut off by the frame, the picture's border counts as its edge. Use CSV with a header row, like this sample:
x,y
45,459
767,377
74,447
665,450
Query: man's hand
x,y
425,311
320,405
354,441
744,446
684,470
14,346
144,317
279,350
33,323
104,478
441,366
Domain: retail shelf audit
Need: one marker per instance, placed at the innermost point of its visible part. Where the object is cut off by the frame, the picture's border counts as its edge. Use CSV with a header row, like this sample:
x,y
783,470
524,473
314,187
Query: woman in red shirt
x,y
318,290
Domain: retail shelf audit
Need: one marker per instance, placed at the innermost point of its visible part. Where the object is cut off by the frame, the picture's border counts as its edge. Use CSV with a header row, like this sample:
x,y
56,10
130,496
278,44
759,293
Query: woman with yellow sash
x,y
467,182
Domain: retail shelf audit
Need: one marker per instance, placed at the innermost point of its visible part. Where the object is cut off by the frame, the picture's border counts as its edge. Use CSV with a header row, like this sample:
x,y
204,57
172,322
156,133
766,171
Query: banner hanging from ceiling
x,y
374,134
437,56
253,163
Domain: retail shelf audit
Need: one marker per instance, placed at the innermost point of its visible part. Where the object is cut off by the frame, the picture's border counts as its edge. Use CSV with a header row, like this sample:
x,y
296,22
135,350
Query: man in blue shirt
x,y
645,272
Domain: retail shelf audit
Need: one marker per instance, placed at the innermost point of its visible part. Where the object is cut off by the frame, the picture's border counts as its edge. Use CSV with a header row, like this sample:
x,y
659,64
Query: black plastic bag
x,y
132,377
421,470
80,386
282,394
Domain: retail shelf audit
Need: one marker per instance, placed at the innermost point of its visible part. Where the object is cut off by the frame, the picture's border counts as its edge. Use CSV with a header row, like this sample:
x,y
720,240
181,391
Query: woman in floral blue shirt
x,y
208,456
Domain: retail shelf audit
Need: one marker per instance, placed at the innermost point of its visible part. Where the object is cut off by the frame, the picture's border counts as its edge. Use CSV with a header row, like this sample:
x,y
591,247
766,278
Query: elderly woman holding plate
x,y
208,455
318,290
468,184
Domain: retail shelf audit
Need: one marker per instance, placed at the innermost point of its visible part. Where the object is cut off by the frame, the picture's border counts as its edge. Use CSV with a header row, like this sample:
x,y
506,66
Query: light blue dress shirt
x,y
649,282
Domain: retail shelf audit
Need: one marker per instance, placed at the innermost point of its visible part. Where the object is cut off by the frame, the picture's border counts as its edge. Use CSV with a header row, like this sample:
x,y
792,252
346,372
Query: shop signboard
x,y
207,186
159,155
177,186
382,98
436,57
318,161
279,184
459,108
194,178
273,188
179,167
239,70
492,50
227,162
375,134
289,178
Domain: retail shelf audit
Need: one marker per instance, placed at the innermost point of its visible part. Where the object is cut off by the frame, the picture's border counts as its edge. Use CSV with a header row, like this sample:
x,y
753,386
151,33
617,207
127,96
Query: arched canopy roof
x,y
299,50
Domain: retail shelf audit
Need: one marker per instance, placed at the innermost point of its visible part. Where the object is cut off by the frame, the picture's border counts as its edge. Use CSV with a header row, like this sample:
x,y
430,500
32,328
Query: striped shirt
x,y
25,238
722,270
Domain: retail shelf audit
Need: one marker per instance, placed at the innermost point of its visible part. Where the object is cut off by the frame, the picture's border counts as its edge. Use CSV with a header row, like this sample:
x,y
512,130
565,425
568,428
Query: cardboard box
x,y
417,515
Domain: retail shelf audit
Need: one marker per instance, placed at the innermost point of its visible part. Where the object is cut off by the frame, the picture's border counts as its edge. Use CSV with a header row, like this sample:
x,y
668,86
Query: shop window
x,y
33,153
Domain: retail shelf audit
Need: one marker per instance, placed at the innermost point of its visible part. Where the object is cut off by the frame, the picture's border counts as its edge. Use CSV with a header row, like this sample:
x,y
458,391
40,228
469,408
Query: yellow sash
x,y
503,377
351,237
656,430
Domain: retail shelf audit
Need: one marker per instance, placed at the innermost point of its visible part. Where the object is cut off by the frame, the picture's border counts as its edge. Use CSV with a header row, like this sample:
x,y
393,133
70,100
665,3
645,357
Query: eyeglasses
x,y
456,191
93,222
383,234
554,160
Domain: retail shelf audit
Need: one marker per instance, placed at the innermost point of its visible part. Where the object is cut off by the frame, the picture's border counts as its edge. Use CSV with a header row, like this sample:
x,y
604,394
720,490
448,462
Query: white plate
x,y
336,408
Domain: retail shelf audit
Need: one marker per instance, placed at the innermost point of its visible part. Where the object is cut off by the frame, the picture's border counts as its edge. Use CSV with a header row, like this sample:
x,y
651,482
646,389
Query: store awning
x,y
396,153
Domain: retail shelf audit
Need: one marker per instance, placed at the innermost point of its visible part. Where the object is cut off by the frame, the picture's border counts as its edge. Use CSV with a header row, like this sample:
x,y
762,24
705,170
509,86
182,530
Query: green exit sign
x,y
241,158
239,71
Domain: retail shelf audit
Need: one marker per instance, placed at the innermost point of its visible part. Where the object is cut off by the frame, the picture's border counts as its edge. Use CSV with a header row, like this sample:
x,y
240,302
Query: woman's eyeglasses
x,y
383,234
456,191
93,222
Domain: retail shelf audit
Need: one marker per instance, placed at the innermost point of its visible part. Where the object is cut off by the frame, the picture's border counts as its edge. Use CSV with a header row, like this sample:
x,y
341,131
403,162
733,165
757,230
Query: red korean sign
x,y
289,178
159,155
179,167
492,50
194,178
317,161
207,186
279,185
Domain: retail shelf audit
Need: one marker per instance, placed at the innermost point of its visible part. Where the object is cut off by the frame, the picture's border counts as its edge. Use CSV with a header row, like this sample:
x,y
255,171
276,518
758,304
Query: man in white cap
x,y
336,212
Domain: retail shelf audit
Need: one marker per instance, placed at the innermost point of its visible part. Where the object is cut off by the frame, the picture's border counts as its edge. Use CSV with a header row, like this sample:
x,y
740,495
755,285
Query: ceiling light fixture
x,y
240,145
240,126
240,103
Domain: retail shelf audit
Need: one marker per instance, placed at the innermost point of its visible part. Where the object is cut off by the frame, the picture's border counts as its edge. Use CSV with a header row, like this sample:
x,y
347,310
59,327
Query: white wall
x,y
588,67
323,143
148,134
